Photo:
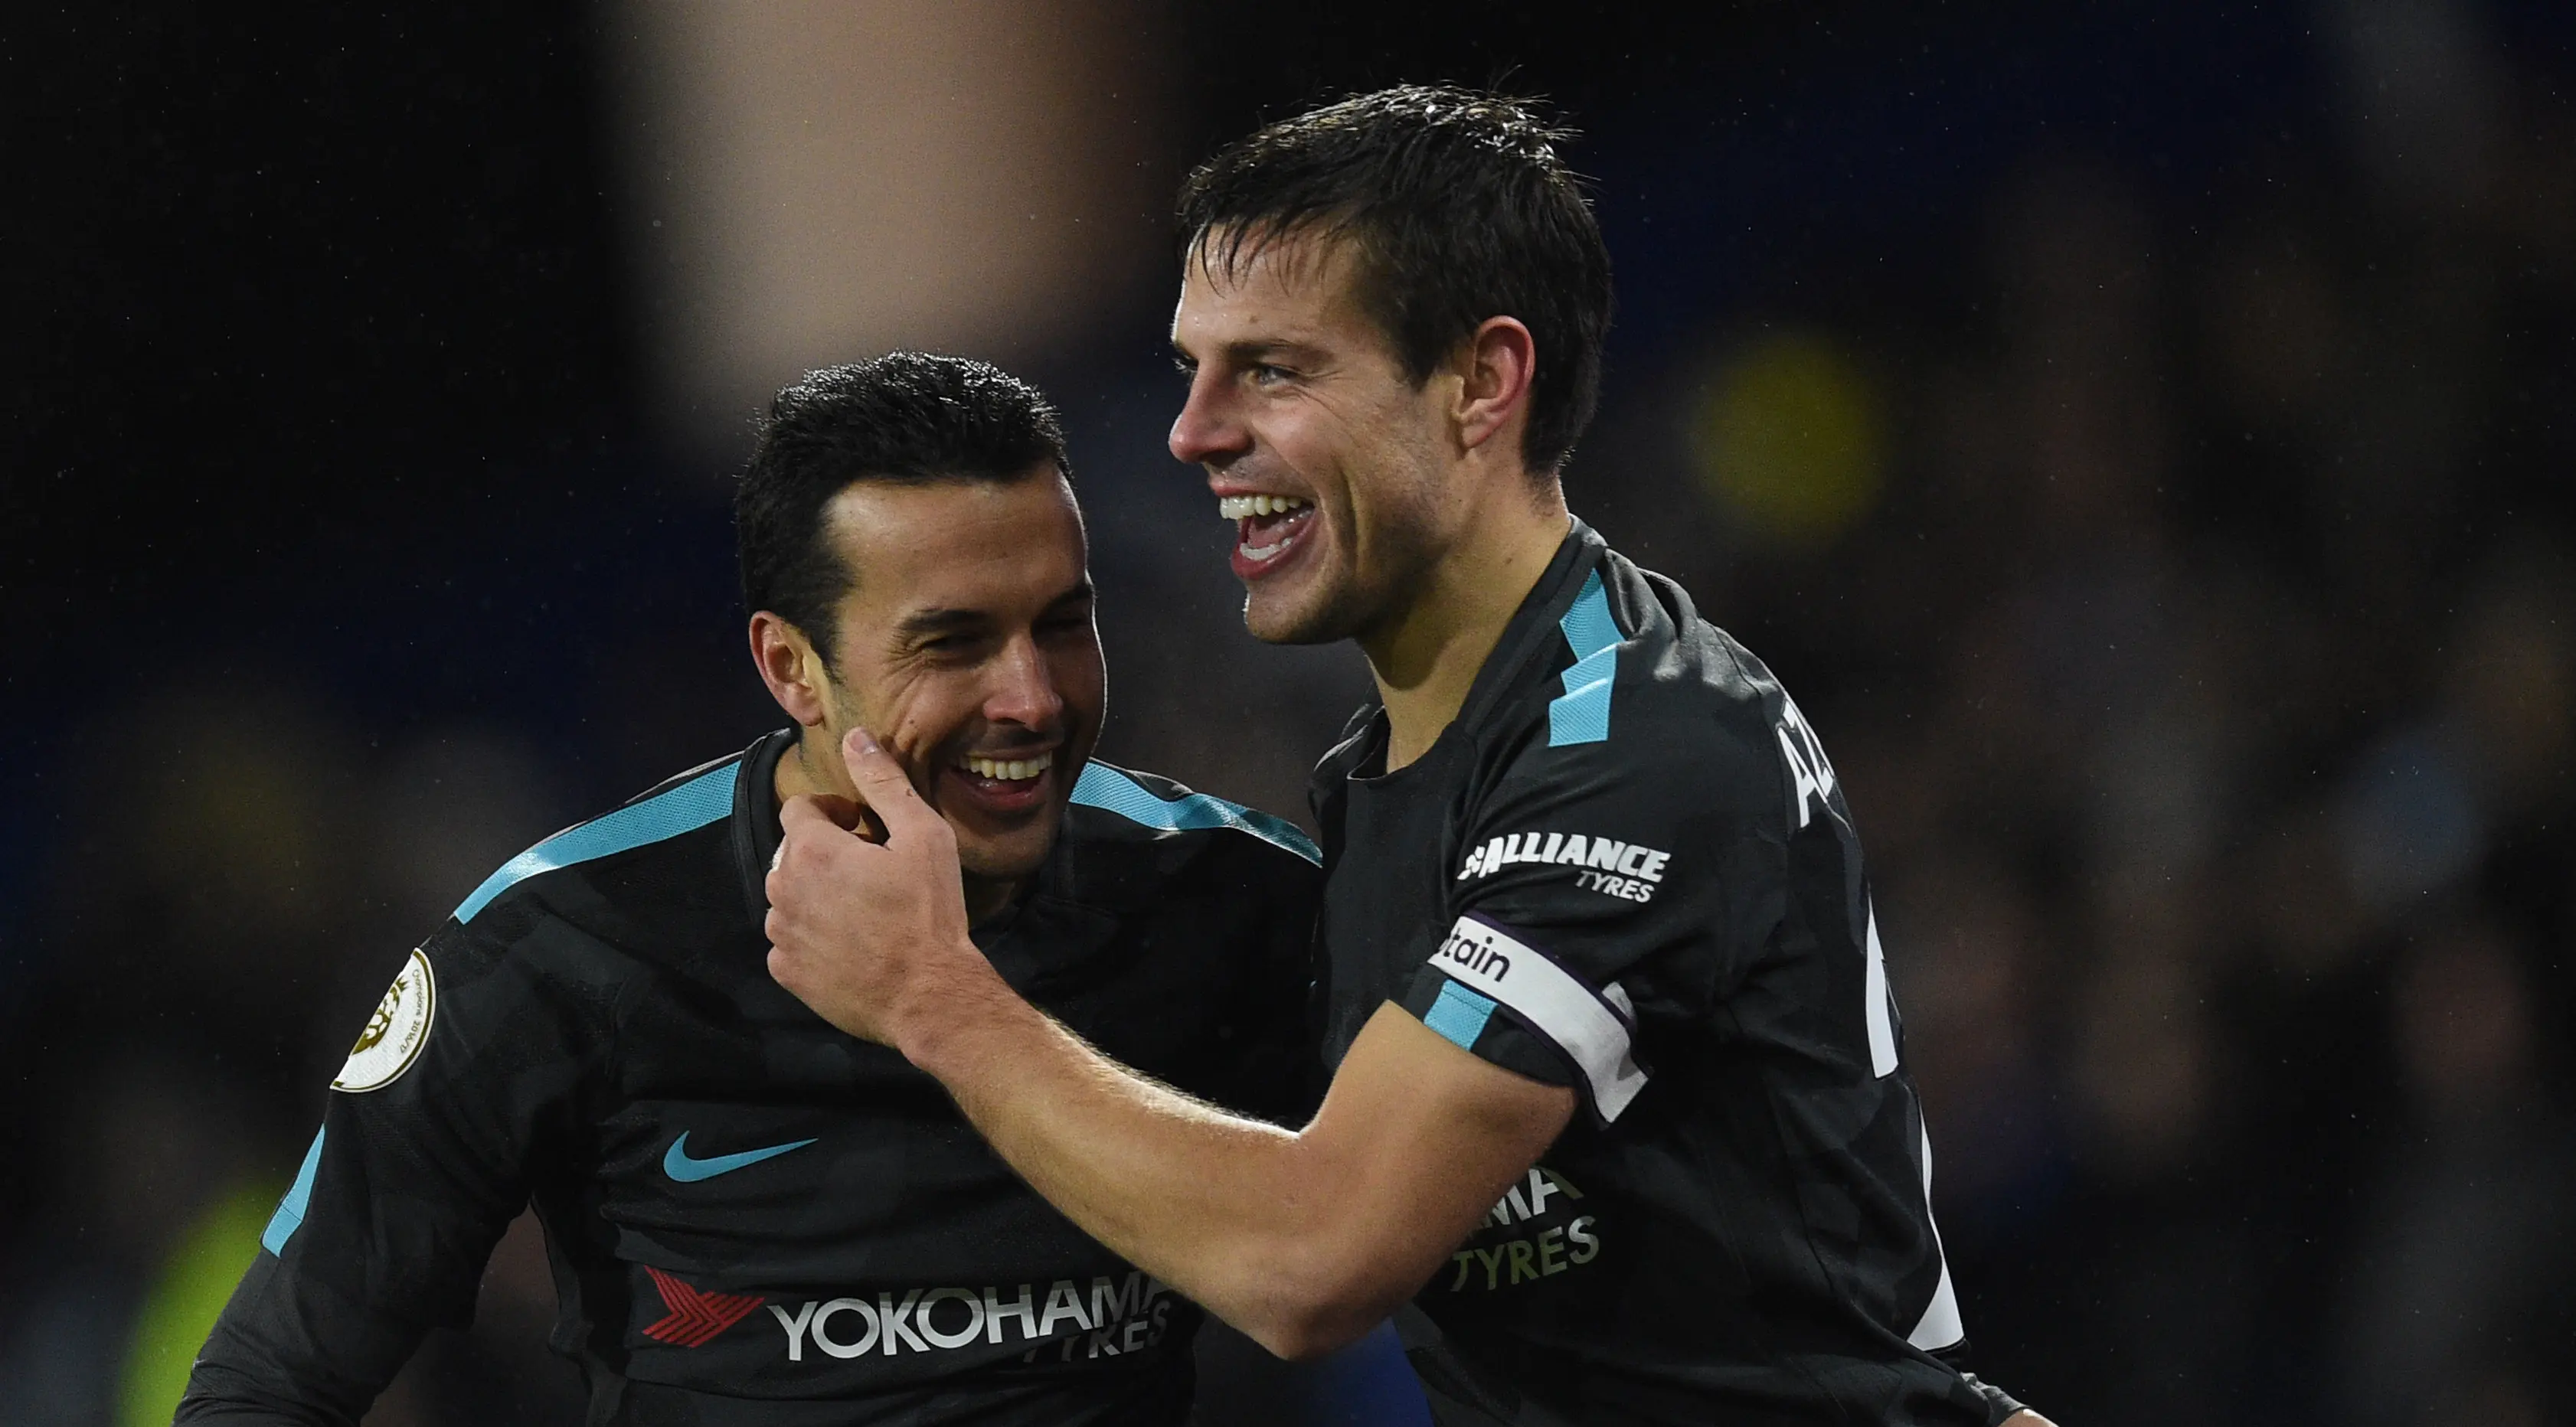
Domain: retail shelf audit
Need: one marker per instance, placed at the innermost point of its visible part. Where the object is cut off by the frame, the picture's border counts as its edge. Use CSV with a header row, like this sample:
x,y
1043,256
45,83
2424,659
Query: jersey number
x,y
1877,1006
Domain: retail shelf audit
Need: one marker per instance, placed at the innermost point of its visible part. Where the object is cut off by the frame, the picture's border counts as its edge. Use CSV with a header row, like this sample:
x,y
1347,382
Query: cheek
x,y
923,715
1081,678
1407,497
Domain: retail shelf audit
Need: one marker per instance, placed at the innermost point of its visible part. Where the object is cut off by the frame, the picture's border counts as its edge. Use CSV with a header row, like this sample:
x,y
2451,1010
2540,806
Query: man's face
x,y
966,646
1330,461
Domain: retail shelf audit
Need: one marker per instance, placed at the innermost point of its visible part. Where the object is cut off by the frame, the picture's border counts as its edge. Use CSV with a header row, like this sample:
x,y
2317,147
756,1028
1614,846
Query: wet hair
x,y
1459,209
908,418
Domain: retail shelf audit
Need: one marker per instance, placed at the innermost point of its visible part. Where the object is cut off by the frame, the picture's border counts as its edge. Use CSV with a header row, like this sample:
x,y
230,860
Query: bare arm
x,y
1303,1241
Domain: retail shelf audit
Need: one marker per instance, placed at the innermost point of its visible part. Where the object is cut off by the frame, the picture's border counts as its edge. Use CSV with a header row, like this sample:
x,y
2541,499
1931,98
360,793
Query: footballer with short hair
x,y
752,1217
1619,1116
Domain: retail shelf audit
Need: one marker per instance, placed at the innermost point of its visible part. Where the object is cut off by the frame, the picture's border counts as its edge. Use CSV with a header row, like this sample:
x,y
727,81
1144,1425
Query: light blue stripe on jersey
x,y
1459,1014
290,1210
692,805
1582,713
1104,787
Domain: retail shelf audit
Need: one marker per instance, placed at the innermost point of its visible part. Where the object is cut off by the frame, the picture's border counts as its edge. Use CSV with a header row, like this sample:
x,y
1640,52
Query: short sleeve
x,y
1599,881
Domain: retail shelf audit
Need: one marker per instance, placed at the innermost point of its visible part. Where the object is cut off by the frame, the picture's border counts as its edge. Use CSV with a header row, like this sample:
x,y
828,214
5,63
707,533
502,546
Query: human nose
x,y
1207,430
1023,689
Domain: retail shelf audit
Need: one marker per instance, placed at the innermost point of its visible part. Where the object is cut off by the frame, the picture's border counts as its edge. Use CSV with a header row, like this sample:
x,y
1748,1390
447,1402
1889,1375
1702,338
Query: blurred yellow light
x,y
1789,440
178,1313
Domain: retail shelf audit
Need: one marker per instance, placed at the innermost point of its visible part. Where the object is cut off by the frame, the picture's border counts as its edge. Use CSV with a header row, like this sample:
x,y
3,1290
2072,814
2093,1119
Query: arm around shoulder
x,y
1304,1240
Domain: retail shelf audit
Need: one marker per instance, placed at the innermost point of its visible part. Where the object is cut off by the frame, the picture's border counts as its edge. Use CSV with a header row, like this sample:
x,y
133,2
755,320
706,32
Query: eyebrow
x,y
1254,352
930,622
940,621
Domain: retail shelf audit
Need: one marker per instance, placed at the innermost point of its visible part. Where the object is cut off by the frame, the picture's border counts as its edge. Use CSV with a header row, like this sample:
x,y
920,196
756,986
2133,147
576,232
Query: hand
x,y
2027,1418
865,930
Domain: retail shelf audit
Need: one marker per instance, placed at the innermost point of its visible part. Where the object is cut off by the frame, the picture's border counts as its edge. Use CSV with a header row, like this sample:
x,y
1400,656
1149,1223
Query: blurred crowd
x,y
2202,673
2185,588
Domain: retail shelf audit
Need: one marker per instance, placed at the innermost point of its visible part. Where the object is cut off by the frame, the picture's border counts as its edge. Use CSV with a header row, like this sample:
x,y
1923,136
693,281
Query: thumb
x,y
882,785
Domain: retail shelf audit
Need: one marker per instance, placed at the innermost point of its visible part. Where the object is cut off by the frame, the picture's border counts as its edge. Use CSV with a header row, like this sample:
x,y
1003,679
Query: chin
x,y
1320,617
1008,859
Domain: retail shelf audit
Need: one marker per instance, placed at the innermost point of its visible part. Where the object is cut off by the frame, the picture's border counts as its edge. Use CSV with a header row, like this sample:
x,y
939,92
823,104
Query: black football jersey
x,y
1627,868
752,1217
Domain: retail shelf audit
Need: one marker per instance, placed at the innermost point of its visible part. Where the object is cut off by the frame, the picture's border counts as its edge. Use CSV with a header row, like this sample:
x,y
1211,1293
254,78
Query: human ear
x,y
1497,364
790,667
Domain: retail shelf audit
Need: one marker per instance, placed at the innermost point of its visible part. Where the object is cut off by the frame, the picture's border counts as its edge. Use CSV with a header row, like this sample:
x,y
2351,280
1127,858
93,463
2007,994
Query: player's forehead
x,y
1298,286
1010,548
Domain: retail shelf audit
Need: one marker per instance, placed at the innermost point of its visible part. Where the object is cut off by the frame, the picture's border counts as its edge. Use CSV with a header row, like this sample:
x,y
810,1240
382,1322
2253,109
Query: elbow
x,y
1314,1314
1302,1337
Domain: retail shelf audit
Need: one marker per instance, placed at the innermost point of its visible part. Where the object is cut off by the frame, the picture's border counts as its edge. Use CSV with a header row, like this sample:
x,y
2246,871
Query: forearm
x,y
1301,1240
1233,1212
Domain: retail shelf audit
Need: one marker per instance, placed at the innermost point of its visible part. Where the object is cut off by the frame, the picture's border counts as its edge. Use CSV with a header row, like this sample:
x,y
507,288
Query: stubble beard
x,y
1342,612
975,862
1348,604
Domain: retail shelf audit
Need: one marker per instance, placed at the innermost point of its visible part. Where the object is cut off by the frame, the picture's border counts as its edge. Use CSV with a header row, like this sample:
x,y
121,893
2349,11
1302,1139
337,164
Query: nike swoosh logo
x,y
677,1164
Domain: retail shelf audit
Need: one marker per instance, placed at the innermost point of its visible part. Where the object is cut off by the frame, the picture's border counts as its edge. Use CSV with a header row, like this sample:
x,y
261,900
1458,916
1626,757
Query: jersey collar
x,y
1530,639
755,819
1530,644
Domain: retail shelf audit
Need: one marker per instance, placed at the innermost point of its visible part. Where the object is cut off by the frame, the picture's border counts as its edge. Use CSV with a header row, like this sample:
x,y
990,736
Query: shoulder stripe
x,y
1582,713
667,814
290,1210
1104,787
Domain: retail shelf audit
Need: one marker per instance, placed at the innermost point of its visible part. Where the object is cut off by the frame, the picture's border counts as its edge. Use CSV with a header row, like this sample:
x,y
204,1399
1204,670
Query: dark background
x,y
2139,433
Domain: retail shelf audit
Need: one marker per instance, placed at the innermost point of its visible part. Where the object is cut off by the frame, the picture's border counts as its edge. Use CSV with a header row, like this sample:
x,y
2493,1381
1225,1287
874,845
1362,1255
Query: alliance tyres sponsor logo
x,y
1627,870
1114,1318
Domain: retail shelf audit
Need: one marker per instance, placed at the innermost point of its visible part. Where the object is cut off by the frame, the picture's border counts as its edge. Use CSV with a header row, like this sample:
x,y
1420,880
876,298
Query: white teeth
x,y
1237,507
1008,770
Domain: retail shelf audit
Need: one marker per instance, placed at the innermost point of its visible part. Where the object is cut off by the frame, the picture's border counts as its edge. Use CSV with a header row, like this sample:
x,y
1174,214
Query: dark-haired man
x,y
753,1218
1619,1101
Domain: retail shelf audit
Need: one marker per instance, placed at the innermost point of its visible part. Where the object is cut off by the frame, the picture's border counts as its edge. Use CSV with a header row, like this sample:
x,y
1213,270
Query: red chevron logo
x,y
696,1315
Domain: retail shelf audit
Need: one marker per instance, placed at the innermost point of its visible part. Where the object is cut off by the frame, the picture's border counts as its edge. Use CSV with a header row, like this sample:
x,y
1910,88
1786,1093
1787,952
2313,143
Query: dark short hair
x,y
906,417
1460,211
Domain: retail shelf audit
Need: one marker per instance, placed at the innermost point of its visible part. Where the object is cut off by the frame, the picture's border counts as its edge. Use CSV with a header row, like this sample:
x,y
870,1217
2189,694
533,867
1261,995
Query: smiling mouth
x,y
1008,770
1010,789
1266,526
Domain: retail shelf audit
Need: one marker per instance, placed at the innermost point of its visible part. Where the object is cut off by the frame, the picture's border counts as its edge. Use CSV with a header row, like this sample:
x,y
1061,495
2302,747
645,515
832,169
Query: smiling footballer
x,y
752,1217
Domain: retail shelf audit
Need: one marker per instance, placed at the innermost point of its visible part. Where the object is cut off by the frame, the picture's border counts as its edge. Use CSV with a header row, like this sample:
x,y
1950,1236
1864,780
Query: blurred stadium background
x,y
2141,433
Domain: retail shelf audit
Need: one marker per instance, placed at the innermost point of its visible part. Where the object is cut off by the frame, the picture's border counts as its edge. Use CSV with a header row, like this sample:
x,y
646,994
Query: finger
x,y
845,813
882,782
853,816
807,814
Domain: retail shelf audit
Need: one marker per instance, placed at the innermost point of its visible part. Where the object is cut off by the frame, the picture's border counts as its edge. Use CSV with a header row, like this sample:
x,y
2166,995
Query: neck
x,y
1426,658
797,777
